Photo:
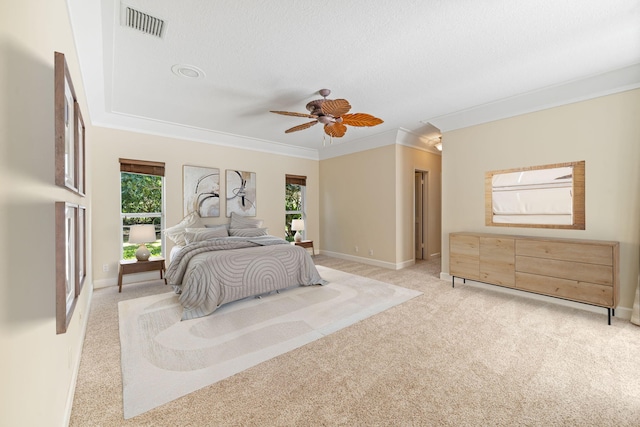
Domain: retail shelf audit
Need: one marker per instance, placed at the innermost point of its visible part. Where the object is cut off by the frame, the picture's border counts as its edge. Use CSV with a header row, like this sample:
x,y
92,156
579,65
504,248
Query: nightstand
x,y
135,266
306,244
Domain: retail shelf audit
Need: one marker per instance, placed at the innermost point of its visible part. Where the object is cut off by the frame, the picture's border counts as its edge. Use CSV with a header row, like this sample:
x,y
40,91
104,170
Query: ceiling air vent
x,y
142,22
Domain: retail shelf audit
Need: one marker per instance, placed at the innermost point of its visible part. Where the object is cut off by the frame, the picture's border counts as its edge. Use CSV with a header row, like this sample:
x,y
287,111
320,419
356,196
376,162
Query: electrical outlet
x,y
356,248
105,267
370,251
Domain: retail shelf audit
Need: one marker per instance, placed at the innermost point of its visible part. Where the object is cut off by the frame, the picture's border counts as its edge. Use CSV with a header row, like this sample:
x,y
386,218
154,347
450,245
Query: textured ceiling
x,y
414,63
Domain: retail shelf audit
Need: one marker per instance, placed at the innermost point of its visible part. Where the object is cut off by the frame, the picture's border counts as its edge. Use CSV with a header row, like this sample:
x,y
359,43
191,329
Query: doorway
x,y
421,217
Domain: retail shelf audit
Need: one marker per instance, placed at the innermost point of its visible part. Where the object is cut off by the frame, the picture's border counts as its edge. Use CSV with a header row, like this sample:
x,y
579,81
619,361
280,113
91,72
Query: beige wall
x,y
109,145
357,204
605,132
37,366
367,201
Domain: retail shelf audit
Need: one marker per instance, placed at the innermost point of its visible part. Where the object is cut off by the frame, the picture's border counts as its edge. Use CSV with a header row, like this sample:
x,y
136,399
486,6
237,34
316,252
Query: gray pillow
x,y
248,232
225,226
200,234
239,221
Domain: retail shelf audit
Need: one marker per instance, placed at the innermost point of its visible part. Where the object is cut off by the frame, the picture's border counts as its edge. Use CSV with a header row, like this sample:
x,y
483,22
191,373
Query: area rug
x,y
164,358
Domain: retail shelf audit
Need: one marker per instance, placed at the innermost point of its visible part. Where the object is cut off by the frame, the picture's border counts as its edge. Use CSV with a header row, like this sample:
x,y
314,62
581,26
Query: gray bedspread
x,y
214,272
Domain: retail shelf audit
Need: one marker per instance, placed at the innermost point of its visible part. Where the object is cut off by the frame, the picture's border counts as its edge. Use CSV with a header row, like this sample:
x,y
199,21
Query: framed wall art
x,y
546,196
66,261
81,248
201,191
64,98
79,143
69,131
241,193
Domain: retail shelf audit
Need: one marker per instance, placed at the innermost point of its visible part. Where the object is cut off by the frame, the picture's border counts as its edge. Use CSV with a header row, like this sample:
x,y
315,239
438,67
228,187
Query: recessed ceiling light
x,y
189,71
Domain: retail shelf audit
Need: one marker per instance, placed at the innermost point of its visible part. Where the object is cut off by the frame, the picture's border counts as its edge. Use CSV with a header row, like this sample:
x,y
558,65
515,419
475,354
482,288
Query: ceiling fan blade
x,y
301,127
288,113
335,107
361,119
335,130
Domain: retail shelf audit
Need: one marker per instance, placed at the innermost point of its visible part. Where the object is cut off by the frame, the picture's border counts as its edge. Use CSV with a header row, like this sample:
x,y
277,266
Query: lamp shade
x,y
142,233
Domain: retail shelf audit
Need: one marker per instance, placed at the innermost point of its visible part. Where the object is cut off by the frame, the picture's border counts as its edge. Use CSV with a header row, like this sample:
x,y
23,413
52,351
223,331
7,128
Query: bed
x,y
212,269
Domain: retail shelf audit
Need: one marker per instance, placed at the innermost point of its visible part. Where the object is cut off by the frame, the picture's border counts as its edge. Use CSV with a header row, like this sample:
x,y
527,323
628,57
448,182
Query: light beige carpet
x,y
462,356
164,358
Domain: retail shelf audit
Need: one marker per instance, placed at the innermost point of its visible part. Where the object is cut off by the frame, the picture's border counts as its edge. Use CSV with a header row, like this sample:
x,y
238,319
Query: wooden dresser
x,y
585,271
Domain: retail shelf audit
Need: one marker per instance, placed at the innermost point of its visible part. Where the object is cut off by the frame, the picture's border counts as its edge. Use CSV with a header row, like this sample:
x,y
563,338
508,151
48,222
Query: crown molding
x,y
608,83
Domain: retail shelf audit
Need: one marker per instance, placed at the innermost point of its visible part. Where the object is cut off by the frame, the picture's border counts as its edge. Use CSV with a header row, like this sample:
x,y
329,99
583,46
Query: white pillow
x,y
176,233
200,234
239,221
248,232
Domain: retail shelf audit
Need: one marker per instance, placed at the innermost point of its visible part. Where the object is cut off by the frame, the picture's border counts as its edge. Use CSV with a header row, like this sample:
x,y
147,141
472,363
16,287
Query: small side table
x,y
306,244
135,266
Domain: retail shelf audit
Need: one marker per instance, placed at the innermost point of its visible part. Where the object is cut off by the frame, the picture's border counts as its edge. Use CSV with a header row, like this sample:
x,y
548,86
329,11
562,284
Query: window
x,y
295,189
142,195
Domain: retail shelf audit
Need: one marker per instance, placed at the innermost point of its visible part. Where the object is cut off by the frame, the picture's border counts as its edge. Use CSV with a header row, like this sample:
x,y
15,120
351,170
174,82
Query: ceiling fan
x,y
332,113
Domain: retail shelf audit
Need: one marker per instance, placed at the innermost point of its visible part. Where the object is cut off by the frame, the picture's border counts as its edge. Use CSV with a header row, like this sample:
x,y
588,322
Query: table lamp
x,y
297,225
142,234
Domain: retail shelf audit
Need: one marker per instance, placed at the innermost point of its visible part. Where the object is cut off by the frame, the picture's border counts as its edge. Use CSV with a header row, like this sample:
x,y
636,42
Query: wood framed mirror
x,y
548,196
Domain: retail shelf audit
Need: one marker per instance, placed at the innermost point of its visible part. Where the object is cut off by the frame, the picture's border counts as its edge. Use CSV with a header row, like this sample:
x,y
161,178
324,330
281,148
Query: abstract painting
x,y
241,193
201,191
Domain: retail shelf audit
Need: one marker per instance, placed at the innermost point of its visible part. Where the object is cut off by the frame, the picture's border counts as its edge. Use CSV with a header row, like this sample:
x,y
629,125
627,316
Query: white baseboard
x,y
126,279
78,356
621,312
369,261
104,283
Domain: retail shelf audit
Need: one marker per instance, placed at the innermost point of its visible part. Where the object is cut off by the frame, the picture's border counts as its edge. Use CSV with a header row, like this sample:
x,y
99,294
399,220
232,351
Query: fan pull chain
x,y
324,140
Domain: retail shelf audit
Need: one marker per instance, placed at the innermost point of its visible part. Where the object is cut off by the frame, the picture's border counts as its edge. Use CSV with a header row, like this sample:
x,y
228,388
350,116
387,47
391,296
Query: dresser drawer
x,y
567,251
464,256
497,261
464,245
589,293
578,271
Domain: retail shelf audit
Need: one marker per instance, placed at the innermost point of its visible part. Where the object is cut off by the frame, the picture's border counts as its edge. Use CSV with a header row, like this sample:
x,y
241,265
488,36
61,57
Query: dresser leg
x,y
609,315
453,281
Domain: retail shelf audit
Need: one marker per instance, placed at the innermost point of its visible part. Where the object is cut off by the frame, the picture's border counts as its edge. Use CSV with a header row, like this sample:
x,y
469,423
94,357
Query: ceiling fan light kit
x,y
332,113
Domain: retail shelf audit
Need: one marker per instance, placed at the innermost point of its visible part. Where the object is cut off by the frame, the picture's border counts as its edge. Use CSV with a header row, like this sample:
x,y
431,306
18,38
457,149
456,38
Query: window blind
x,y
142,166
296,179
